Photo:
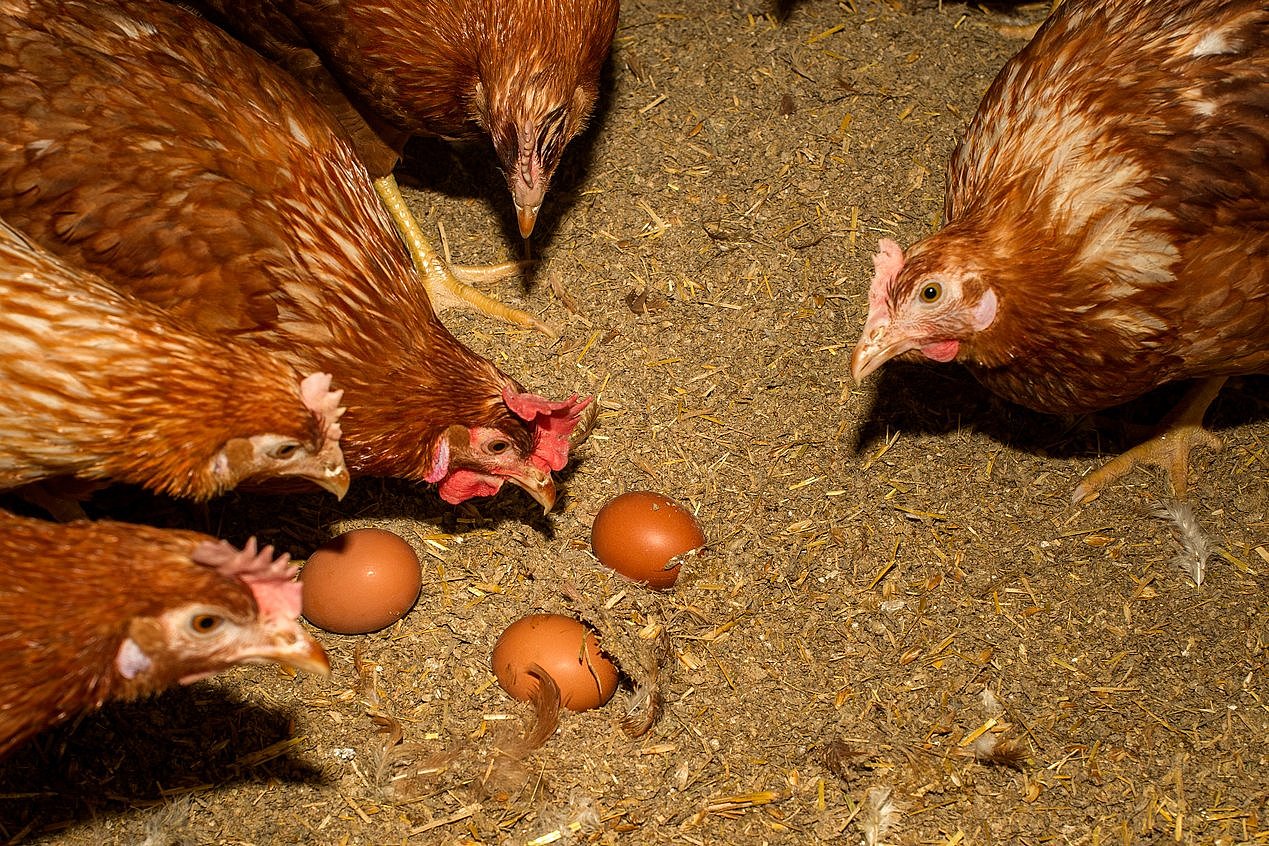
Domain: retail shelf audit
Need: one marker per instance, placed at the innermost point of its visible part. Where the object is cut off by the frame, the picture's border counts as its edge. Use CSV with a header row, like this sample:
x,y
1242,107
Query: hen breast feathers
x,y
98,385
525,73
91,612
154,150
1107,220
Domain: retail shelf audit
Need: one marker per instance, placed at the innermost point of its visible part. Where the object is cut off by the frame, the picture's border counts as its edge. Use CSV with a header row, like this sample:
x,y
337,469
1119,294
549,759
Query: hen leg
x,y
1181,431
446,284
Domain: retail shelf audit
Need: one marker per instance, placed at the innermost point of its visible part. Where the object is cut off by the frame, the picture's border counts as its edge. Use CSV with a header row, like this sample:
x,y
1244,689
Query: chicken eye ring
x,y
205,623
285,451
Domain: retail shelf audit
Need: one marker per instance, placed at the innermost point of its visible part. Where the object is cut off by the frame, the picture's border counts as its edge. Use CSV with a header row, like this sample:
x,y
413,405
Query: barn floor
x,y
901,626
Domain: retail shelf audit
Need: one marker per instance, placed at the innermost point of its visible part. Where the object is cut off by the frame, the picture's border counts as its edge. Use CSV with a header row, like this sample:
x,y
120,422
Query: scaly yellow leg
x,y
1180,432
444,282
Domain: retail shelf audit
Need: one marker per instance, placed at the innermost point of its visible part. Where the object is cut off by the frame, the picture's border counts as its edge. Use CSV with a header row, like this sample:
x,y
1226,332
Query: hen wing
x,y
1157,184
87,87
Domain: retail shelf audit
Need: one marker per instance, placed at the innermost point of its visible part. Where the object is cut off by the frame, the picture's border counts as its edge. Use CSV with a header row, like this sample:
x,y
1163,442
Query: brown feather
x,y
228,196
98,385
1112,194
72,594
515,70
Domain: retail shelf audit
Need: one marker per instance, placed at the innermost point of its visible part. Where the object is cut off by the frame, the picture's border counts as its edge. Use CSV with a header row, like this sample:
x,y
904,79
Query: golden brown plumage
x,y
100,386
1107,220
96,611
154,150
525,73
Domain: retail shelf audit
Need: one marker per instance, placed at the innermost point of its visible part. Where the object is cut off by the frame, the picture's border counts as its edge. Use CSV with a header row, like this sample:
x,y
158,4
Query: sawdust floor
x,y
894,570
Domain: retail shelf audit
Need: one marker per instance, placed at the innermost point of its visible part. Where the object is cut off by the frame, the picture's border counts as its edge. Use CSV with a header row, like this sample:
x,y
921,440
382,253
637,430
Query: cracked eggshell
x,y
585,676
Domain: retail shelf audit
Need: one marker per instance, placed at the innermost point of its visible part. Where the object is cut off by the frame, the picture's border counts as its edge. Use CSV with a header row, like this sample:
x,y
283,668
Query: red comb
x,y
552,423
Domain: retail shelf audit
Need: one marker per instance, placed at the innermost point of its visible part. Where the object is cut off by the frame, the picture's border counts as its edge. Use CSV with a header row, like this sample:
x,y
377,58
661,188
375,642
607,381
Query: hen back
x,y
151,148
95,611
1107,218
98,385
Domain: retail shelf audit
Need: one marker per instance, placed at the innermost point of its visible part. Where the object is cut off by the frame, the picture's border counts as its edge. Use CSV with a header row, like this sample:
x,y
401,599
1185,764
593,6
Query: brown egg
x,y
360,582
553,642
638,533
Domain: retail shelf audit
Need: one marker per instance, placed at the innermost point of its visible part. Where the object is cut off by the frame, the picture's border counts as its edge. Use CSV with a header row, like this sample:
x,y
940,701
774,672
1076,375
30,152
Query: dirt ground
x,y
901,631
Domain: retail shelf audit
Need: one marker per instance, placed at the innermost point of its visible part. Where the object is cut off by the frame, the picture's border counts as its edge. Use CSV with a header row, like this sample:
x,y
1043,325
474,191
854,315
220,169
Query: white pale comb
x,y
318,397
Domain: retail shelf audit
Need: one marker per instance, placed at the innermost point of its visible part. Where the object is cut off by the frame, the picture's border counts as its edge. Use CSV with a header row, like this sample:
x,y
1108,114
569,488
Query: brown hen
x,y
524,73
101,386
1107,222
96,611
151,148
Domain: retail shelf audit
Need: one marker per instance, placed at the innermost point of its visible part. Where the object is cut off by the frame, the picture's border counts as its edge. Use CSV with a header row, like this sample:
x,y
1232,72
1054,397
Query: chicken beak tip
x,y
337,484
541,489
860,364
873,349
312,660
526,218
865,362
290,646
546,498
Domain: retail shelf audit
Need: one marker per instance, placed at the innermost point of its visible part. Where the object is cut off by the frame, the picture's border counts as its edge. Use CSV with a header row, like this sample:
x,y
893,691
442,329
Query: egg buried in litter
x,y
639,533
563,647
360,582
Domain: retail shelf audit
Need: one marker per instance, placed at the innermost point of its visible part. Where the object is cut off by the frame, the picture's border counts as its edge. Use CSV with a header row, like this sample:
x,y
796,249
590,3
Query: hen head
x,y
537,83
522,447
928,304
317,458
245,615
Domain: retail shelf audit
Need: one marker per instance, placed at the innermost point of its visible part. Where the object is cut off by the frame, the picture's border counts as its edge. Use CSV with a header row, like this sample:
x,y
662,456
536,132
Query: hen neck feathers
x,y
1122,217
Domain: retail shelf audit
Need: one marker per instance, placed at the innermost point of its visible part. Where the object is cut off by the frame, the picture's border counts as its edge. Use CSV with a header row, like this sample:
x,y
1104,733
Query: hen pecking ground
x,y
901,631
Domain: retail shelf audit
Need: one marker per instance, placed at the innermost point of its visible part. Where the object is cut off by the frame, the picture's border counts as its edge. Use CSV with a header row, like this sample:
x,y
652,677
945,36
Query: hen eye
x,y
284,451
931,292
205,623
499,446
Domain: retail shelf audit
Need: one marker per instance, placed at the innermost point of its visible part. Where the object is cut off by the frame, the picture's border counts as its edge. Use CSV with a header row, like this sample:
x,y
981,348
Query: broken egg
x,y
566,649
360,582
639,533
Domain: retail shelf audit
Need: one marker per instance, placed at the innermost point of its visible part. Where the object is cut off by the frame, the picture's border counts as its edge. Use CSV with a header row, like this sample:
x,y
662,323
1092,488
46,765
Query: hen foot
x,y
447,284
1180,432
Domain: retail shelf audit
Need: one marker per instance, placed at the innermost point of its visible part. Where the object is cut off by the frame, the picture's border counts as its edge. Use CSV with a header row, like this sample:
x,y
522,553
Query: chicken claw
x,y
444,282
1180,432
